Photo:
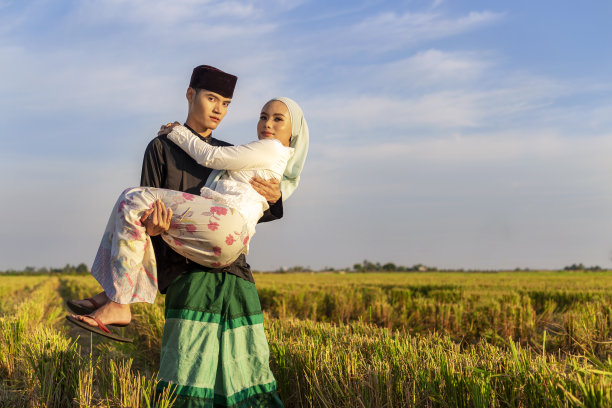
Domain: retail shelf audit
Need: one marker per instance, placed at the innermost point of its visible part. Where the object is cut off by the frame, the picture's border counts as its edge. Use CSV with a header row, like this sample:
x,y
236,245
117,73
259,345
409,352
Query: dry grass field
x,y
443,339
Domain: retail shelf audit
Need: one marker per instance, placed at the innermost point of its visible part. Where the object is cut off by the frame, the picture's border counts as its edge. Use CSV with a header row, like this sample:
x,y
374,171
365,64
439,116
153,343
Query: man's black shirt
x,y
166,165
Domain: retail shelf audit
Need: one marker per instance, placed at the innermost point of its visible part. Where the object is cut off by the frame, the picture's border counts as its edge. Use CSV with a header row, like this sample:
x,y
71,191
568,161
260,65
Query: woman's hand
x,y
156,220
270,189
167,128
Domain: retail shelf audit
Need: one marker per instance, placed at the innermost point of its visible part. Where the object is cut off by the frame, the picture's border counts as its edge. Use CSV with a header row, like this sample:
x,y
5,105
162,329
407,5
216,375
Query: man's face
x,y
206,109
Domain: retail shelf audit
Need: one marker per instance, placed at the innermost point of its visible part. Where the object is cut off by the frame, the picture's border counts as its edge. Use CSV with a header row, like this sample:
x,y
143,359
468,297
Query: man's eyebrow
x,y
211,94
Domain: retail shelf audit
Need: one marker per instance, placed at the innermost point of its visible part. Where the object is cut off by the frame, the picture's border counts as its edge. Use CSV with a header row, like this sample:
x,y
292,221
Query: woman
x,y
212,229
214,349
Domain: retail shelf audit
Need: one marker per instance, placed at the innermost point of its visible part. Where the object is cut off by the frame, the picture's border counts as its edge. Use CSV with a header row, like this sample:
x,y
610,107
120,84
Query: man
x,y
214,349
167,166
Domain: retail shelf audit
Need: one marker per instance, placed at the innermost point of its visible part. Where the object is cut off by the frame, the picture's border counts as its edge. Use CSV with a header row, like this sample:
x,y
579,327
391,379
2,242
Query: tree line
x,y
364,266
68,269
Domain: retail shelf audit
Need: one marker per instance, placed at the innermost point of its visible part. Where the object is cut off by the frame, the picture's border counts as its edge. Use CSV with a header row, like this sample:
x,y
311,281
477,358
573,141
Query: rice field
x,y
443,339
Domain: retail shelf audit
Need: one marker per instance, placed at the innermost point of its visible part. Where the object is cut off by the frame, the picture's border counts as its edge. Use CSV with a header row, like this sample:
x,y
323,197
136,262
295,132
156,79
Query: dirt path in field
x,y
83,337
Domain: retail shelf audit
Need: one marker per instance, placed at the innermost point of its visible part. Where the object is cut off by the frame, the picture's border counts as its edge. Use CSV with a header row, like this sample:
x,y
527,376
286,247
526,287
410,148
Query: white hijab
x,y
299,141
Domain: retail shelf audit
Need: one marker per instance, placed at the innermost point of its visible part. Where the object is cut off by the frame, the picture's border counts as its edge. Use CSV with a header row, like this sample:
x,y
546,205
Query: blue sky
x,y
468,134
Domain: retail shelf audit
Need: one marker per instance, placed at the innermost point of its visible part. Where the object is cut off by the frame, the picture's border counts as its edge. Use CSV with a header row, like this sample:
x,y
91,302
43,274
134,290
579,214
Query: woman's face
x,y
274,122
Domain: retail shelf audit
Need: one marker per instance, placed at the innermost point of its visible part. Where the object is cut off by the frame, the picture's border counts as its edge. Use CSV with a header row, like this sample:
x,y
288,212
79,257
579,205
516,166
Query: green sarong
x,y
214,348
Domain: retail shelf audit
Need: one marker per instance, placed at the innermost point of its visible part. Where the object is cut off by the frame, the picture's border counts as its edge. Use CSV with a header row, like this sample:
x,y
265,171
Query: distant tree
x,y
368,266
574,267
389,267
82,268
68,269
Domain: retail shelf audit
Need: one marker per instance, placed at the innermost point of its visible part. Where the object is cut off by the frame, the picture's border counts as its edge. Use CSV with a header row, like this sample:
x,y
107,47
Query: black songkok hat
x,y
214,80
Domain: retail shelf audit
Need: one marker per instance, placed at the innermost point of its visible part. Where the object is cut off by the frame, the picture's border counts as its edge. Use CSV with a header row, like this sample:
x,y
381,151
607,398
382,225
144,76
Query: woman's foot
x,y
94,302
111,313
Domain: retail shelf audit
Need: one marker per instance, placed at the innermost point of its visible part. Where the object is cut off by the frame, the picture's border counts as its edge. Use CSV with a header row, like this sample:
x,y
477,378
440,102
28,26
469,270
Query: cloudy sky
x,y
471,134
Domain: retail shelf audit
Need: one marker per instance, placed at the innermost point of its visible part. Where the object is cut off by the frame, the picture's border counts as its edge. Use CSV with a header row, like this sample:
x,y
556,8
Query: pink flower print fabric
x,y
202,230
218,210
212,235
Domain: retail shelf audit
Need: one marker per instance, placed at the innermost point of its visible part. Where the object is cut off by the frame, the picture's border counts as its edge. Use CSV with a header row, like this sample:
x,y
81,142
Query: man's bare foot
x,y
93,302
110,313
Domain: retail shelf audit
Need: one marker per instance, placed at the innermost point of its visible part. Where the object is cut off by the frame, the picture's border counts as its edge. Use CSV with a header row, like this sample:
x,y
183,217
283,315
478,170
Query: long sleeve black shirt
x,y
166,165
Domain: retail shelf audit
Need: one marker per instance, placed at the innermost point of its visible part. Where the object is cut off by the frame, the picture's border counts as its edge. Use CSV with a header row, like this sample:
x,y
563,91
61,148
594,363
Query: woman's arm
x,y
255,155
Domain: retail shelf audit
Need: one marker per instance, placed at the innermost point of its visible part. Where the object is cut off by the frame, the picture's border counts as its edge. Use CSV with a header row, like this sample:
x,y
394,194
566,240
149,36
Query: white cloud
x,y
405,99
148,12
435,67
391,30
601,117
369,112
437,3
60,81
178,13
481,149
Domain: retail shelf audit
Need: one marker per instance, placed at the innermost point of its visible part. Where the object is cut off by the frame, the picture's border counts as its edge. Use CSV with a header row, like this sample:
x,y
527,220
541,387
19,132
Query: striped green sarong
x,y
214,348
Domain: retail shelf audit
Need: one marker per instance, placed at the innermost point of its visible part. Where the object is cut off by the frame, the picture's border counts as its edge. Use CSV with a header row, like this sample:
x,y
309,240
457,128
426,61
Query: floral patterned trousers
x,y
202,230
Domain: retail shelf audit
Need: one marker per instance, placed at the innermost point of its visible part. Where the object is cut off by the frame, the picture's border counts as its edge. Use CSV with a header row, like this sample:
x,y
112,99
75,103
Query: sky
x,y
470,134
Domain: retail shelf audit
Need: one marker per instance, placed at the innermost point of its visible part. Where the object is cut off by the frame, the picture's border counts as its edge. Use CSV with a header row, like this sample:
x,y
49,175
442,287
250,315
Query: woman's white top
x,y
266,159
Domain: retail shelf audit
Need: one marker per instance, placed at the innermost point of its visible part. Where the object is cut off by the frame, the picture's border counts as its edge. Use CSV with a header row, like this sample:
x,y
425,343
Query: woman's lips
x,y
266,133
214,119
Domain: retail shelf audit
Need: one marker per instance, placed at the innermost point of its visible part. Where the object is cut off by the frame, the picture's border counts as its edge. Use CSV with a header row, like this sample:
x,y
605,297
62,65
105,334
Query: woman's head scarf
x,y
299,142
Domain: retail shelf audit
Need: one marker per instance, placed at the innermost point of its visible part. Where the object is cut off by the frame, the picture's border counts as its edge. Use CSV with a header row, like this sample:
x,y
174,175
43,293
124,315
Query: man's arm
x,y
275,212
152,174
270,189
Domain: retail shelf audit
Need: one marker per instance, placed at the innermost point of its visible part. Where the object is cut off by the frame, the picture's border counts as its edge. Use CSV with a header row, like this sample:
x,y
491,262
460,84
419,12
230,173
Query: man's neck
x,y
200,130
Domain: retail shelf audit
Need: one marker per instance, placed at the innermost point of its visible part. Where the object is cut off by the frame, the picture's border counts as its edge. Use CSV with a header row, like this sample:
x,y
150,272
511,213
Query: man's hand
x,y
167,128
270,189
156,220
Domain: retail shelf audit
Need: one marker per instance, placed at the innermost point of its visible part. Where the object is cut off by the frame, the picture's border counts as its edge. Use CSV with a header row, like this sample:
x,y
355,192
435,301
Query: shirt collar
x,y
207,139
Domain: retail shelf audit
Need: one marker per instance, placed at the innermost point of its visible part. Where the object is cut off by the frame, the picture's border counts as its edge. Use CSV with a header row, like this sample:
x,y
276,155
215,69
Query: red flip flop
x,y
101,329
83,310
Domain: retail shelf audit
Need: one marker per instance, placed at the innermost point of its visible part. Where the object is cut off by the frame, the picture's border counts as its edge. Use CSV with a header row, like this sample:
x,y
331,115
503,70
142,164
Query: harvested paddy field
x,y
443,339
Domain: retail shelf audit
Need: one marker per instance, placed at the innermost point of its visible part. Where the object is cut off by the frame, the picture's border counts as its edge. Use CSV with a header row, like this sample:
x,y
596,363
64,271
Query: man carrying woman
x,y
214,349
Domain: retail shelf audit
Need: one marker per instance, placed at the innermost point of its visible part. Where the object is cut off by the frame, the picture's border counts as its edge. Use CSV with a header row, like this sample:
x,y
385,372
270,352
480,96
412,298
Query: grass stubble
x,y
43,365
523,339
